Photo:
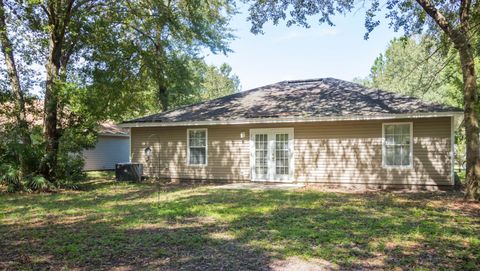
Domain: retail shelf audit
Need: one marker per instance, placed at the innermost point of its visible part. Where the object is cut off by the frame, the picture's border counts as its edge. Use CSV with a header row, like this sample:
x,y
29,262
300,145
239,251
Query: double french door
x,y
271,154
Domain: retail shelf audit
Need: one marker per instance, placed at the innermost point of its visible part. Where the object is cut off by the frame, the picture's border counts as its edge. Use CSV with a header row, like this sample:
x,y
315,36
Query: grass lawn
x,y
112,225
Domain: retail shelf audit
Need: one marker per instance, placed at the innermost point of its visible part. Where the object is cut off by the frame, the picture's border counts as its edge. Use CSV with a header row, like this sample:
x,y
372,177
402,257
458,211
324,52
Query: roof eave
x,y
292,119
114,135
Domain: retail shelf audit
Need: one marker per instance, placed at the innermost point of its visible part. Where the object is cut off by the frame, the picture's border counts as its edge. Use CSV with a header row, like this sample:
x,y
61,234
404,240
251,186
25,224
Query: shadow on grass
x,y
185,228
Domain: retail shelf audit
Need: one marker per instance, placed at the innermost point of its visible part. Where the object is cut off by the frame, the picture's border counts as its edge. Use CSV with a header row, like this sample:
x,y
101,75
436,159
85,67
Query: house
x,y
112,147
324,131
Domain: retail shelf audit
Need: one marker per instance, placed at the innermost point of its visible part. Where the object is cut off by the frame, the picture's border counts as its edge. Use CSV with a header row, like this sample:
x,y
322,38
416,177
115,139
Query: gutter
x,y
457,115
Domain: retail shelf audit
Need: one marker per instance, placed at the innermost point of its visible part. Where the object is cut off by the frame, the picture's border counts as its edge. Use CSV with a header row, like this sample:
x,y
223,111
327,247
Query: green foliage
x,y
295,12
70,170
12,147
39,183
405,15
218,82
414,67
460,153
109,60
70,164
152,56
15,180
210,82
10,176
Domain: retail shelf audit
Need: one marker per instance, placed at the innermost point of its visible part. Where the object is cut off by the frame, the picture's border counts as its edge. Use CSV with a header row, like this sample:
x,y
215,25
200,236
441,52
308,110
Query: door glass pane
x,y
281,154
261,154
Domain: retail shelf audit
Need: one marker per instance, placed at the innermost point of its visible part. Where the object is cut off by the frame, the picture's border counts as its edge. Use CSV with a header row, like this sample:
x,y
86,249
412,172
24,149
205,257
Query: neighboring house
x,y
317,131
112,147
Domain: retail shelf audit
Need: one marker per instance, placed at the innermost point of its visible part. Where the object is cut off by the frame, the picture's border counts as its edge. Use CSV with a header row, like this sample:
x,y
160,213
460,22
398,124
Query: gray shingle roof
x,y
303,98
109,128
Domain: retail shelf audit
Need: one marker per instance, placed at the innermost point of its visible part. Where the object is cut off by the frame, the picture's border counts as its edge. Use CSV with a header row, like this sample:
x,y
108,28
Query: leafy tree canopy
x,y
104,59
416,67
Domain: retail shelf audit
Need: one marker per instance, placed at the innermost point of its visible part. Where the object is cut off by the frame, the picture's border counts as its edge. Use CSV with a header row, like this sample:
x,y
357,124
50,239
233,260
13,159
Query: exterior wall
x,y
341,152
108,151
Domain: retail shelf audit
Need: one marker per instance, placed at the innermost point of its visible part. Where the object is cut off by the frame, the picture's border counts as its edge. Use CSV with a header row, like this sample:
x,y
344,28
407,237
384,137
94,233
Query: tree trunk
x,y
51,135
471,122
7,51
59,14
163,97
461,40
20,112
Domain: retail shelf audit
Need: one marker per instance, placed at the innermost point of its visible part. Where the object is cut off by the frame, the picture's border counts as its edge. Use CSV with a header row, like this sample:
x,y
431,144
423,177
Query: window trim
x,y
206,147
410,166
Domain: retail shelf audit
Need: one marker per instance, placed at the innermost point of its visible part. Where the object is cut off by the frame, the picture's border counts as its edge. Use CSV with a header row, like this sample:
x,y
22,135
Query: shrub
x,y
10,176
69,171
38,183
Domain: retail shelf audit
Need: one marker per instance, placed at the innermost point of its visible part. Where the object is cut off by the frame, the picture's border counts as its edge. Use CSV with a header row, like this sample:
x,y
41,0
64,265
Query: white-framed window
x,y
397,151
197,147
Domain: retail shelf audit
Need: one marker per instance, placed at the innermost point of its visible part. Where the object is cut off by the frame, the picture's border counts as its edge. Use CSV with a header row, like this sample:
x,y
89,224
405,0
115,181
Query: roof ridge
x,y
303,81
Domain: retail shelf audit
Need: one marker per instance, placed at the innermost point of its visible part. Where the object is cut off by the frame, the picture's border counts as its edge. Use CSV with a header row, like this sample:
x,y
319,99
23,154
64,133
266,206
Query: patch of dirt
x,y
298,264
466,207
422,191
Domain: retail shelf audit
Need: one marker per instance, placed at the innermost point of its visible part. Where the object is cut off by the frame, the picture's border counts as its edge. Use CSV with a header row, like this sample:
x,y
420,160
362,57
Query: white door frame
x,y
271,176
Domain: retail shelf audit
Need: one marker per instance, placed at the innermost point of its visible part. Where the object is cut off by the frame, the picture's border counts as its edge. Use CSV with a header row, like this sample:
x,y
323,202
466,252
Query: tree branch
x,y
439,18
66,18
458,38
422,61
45,9
51,12
465,11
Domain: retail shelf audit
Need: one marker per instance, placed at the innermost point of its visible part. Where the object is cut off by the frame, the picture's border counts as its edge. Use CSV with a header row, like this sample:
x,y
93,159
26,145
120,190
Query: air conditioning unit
x,y
129,172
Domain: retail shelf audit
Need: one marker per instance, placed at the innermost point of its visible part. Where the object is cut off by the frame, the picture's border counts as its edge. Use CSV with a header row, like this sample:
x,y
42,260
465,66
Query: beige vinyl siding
x,y
228,155
326,152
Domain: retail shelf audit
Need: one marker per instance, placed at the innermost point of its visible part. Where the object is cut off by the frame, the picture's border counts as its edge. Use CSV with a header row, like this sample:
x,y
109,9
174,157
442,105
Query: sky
x,y
292,53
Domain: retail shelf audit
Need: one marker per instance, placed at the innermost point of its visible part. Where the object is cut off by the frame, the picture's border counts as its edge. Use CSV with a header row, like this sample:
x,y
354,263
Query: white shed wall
x,y
108,151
